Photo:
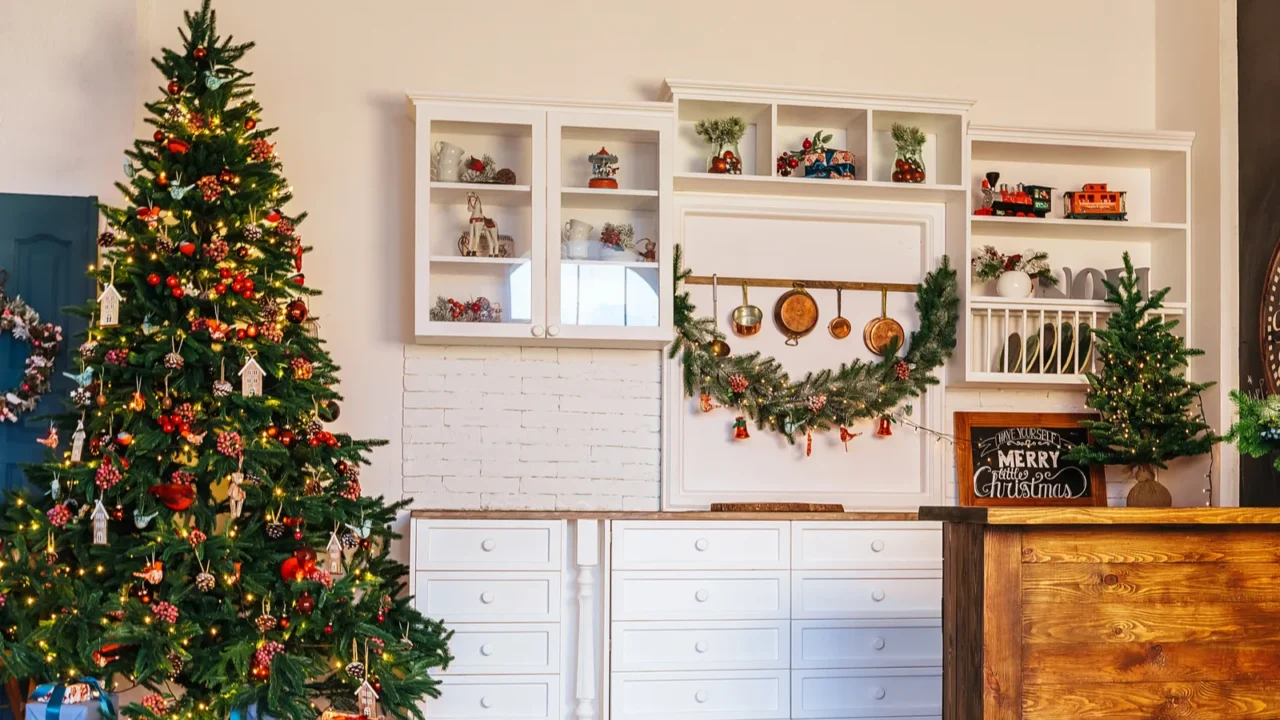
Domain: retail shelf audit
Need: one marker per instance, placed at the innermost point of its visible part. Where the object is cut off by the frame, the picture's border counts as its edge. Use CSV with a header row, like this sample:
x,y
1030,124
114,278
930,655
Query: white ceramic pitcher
x,y
447,159
575,237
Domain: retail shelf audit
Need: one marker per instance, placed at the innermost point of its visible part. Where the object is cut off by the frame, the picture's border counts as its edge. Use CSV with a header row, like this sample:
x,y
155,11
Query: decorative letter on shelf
x,y
1087,284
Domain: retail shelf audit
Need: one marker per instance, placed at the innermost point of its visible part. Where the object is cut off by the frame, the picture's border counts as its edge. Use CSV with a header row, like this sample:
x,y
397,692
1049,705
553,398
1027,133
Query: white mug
x,y
447,159
575,236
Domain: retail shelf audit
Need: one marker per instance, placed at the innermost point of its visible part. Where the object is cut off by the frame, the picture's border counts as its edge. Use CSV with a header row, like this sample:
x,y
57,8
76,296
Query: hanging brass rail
x,y
727,281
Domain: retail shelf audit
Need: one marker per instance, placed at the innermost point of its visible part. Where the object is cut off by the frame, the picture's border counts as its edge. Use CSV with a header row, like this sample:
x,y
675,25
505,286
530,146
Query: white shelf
x,y
462,260
490,193
1065,228
604,198
614,263
985,302
816,187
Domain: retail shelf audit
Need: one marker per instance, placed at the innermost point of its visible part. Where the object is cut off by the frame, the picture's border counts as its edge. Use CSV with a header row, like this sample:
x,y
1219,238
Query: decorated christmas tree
x,y
200,532
1149,410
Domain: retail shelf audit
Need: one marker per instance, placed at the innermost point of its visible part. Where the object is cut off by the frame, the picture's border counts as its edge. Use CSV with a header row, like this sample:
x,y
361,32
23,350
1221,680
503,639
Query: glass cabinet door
x,y
608,274
484,223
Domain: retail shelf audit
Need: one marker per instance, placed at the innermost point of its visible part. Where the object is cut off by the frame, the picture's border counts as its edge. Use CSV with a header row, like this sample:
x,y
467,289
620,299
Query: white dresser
x,y
696,616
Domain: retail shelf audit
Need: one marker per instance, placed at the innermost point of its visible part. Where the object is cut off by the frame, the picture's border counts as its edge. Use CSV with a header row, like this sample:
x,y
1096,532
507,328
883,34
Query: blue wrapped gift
x,y
829,164
81,700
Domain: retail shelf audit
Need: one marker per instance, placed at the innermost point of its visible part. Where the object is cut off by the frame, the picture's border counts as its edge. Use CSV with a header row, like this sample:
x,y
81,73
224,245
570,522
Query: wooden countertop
x,y
565,515
1103,516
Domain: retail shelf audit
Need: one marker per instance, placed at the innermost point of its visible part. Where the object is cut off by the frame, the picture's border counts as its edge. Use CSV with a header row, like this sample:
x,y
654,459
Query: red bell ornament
x,y
884,429
740,428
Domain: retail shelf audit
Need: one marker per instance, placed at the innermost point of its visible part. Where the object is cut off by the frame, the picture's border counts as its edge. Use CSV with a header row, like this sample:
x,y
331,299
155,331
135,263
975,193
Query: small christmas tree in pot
x,y
1147,406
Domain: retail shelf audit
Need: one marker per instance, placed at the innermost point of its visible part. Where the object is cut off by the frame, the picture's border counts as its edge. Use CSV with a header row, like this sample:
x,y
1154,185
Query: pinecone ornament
x,y
81,397
266,623
356,670
175,664
221,388
107,239
164,245
217,250
205,582
252,233
349,541
275,530
174,361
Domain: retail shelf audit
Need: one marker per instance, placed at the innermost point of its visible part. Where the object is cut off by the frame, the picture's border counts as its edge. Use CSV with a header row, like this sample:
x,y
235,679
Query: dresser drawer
x,y
513,696
853,594
841,546
504,649
866,643
865,693
457,597
701,645
736,695
712,545
705,595
487,544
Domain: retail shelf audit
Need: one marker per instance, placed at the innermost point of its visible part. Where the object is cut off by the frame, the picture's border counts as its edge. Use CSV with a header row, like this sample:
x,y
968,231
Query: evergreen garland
x,y
1257,431
1142,394
758,388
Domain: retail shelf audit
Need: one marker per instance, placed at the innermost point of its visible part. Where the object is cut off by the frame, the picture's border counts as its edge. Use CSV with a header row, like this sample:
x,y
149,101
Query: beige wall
x,y
333,74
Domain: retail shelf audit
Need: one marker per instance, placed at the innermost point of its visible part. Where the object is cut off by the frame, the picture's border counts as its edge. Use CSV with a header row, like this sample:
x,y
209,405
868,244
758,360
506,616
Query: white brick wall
x,y
501,428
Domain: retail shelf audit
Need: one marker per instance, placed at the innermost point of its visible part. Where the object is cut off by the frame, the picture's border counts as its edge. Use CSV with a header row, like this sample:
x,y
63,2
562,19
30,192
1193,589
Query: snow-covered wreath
x,y
18,318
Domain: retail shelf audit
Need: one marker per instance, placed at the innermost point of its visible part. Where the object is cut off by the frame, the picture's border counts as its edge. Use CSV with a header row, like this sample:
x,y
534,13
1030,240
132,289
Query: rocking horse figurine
x,y
481,238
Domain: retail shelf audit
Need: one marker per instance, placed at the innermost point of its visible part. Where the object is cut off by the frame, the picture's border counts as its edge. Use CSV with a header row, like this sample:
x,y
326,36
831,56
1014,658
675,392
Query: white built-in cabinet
x,y
608,299
706,619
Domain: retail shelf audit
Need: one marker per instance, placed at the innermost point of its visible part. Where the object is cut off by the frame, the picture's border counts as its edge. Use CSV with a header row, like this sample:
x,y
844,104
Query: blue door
x,y
46,245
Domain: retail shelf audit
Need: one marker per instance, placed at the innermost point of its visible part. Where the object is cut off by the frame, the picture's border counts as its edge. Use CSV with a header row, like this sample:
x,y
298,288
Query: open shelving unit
x,y
1033,340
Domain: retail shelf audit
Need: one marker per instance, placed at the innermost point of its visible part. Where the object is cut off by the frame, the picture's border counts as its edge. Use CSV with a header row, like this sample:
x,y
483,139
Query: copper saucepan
x,y
796,313
883,330
747,318
839,327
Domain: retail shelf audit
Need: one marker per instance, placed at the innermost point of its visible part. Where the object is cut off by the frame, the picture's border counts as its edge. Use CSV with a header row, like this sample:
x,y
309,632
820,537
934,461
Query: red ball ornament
x,y
247,294
381,616
284,621
806,144
153,279
226,177
220,288
177,146
251,331
184,427
273,215
177,292
158,135
296,311
167,427
306,557
366,544
250,123
286,437
174,87
186,247
199,53
240,334
172,281
224,273
297,534
299,279
290,570
328,629
306,604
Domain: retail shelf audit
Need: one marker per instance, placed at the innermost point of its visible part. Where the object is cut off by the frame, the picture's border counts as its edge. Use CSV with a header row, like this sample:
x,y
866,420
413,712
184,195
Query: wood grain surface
x,y
1149,545
1156,622
1071,663
1150,582
1002,644
1103,516
692,515
1207,700
962,620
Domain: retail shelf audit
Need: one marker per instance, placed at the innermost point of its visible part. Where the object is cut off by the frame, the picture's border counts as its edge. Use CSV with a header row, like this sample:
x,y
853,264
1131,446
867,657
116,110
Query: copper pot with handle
x,y
796,313
747,318
884,330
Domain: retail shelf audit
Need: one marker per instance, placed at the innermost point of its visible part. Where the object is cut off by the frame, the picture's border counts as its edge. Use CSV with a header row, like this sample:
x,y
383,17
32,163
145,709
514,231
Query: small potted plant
x,y
908,160
617,240
723,135
1016,274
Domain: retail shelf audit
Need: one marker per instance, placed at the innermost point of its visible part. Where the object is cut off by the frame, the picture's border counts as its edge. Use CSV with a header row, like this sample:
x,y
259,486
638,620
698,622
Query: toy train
x,y
1095,202
1022,201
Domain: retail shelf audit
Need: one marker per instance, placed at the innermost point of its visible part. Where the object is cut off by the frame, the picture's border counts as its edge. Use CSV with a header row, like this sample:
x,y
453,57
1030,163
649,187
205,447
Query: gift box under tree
x,y
85,700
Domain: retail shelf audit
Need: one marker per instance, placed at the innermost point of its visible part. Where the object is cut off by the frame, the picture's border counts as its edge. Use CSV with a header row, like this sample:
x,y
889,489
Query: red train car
x,y
1095,202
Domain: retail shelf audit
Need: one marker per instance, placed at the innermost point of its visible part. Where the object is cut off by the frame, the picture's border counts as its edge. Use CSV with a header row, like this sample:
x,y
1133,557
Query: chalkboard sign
x,y
1017,459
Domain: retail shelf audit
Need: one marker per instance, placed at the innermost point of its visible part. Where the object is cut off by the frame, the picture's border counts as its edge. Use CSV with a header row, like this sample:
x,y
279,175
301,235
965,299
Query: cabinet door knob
x,y
878,643
700,646
486,649
537,330
488,545
877,546
701,544
878,693
700,696
701,595
485,702
877,595
553,330
486,597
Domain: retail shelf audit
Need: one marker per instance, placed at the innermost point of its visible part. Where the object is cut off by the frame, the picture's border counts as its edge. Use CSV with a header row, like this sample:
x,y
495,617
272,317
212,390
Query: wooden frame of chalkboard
x,y
1015,459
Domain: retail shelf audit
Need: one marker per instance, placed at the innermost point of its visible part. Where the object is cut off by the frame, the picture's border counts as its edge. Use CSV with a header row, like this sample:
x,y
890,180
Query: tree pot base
x,y
1148,492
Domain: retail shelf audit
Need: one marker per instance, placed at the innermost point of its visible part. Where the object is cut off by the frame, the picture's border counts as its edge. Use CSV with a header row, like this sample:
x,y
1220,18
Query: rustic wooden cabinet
x,y
1110,613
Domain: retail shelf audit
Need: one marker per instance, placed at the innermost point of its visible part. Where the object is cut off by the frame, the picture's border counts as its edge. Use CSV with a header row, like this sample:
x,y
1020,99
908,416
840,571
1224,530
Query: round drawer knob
x,y
877,546
486,597
878,693
553,330
485,702
701,544
488,545
878,643
877,595
701,595
700,646
700,696
537,330
486,649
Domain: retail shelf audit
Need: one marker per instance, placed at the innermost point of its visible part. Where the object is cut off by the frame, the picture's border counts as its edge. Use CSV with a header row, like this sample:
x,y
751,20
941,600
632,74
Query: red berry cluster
x,y
902,370
117,356
196,537
265,654
241,284
302,368
351,491
210,188
165,611
261,150
230,444
156,703
59,515
285,227
217,250
172,423
107,476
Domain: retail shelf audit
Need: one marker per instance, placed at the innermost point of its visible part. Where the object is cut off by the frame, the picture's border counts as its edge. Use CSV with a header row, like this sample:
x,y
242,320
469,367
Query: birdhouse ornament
x,y
334,563
251,378
367,699
109,307
99,517
77,442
